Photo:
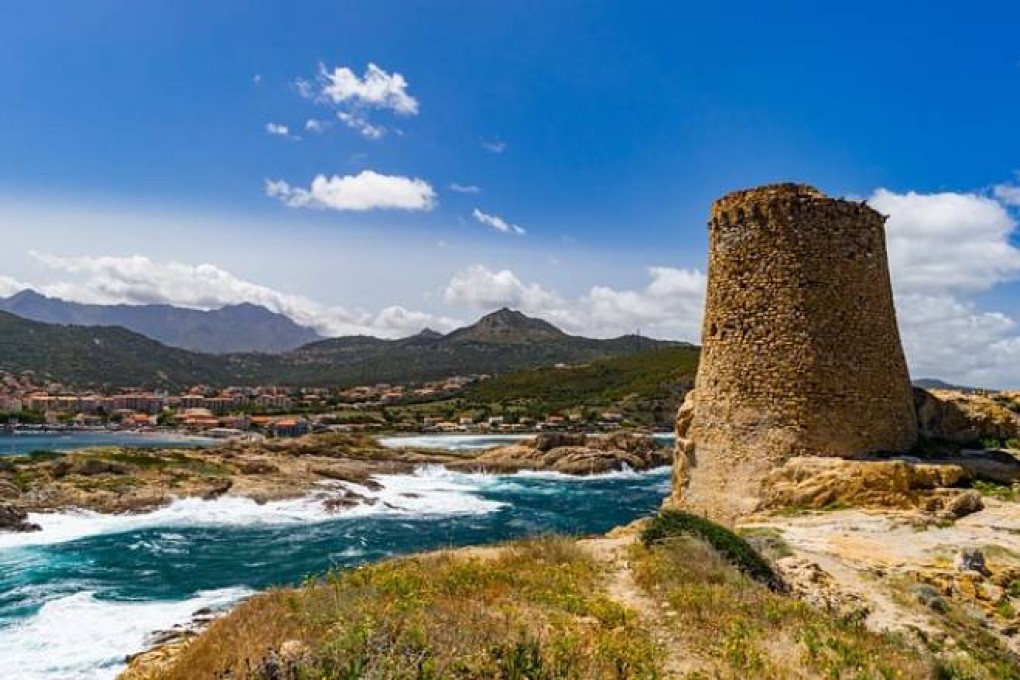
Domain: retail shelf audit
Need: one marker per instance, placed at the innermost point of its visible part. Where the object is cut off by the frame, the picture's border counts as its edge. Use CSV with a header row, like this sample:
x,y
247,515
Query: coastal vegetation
x,y
646,388
544,608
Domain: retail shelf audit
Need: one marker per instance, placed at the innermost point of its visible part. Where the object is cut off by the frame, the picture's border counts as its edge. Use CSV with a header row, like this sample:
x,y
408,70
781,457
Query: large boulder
x,y
963,418
821,483
594,454
554,440
13,518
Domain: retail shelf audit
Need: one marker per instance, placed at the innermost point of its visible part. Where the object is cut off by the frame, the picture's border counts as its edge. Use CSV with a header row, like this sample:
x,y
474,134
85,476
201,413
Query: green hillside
x,y
646,387
99,356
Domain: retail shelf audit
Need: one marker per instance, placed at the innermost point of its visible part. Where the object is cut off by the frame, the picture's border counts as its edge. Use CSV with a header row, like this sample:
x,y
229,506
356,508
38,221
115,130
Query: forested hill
x,y
499,343
646,388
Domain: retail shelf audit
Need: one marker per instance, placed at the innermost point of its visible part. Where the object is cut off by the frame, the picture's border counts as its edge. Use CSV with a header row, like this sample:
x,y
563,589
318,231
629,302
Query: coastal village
x,y
274,410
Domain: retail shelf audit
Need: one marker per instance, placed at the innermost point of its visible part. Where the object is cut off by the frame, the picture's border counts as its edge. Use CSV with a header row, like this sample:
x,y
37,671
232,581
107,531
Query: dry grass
x,y
740,629
537,610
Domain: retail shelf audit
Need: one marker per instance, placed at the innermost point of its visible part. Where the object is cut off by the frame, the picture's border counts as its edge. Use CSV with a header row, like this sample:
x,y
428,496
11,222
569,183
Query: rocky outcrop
x,y
576,454
963,418
801,355
812,584
124,480
826,483
13,518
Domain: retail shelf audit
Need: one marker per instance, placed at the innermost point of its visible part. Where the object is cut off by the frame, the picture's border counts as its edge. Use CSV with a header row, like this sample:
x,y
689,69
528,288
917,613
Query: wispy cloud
x,y
368,190
497,223
1008,194
464,188
495,146
316,125
361,125
277,129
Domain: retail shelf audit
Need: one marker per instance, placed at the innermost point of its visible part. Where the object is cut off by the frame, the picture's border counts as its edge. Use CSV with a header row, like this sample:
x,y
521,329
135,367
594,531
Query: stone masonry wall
x,y
801,354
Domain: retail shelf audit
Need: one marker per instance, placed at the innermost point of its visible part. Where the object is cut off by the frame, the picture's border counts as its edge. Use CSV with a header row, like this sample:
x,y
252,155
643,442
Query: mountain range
x,y
110,356
232,329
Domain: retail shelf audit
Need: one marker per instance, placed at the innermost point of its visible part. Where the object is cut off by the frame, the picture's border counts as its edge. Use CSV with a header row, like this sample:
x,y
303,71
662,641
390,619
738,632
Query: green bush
x,y
993,443
733,548
1000,491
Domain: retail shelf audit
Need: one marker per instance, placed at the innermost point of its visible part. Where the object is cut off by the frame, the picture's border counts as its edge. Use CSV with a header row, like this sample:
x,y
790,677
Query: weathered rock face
x,y
801,355
576,454
13,518
964,418
813,483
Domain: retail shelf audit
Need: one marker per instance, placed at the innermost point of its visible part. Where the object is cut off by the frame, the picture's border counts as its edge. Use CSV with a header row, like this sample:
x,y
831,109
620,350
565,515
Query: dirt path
x,y
624,590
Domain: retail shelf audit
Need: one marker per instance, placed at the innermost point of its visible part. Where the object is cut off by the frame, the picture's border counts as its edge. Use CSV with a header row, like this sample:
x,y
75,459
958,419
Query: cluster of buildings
x,y
275,410
607,420
154,403
384,393
203,408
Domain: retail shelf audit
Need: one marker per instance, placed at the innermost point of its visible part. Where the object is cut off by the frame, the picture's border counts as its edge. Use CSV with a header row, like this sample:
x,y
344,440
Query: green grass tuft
x,y
733,548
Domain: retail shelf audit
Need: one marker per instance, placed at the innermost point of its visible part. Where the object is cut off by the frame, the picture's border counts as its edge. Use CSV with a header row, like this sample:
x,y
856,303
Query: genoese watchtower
x,y
801,355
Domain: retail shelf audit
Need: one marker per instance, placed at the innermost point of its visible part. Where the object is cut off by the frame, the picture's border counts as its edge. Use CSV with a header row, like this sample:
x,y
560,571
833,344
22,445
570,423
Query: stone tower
x,y
800,356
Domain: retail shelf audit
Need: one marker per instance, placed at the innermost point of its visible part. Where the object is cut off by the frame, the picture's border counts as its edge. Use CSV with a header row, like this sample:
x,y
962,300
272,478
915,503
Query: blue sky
x,y
136,149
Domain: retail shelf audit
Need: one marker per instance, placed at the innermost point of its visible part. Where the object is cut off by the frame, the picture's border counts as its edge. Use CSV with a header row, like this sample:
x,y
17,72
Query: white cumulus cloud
x,y
376,89
367,190
943,248
669,306
481,288
10,286
355,97
140,280
497,223
947,241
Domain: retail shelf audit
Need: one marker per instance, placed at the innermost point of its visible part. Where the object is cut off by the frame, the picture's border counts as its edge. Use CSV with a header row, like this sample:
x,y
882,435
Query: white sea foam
x,y
429,491
625,473
60,527
475,442
453,442
80,637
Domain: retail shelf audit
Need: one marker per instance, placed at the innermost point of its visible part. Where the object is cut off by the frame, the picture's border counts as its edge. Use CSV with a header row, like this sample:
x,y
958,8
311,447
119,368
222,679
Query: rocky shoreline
x,y
118,480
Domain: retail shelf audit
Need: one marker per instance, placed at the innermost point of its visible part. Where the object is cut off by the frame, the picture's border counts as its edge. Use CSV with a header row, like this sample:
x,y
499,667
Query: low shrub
x,y
733,548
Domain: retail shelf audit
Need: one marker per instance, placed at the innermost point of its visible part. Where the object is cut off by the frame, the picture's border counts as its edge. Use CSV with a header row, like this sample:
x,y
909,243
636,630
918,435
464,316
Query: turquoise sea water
x,y
23,442
78,596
